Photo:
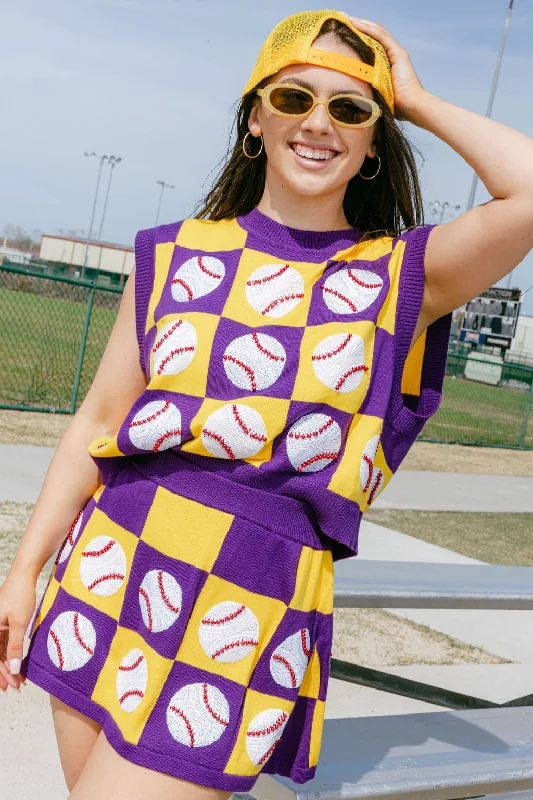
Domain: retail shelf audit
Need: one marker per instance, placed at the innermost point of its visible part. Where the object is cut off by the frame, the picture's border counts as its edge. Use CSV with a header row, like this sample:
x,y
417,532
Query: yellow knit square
x,y
163,258
49,596
187,347
211,236
196,533
99,565
335,364
243,428
130,681
387,315
271,291
98,493
263,720
412,371
314,581
311,682
317,728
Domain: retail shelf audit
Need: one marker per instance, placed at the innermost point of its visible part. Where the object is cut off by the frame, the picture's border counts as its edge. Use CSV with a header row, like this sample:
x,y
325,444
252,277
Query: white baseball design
x,y
350,291
197,276
289,660
103,566
263,734
234,431
371,476
68,544
71,640
157,426
132,678
274,289
313,442
174,347
160,599
338,361
197,714
229,632
254,361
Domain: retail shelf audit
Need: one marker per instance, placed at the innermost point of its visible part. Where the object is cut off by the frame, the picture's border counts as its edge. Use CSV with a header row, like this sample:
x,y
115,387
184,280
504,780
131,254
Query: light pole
x,y
163,187
102,159
113,160
443,207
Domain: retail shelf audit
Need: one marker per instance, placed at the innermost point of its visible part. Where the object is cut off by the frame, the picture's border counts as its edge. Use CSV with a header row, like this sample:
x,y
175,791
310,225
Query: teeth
x,y
317,155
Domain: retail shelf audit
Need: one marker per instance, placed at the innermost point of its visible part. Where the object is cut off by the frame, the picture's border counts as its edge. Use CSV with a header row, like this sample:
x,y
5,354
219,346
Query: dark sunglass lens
x,y
291,101
351,111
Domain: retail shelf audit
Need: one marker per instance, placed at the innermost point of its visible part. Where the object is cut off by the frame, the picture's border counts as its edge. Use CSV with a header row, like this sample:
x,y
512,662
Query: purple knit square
x,y
204,720
65,551
376,400
127,499
282,664
293,749
159,598
72,642
245,361
249,557
324,638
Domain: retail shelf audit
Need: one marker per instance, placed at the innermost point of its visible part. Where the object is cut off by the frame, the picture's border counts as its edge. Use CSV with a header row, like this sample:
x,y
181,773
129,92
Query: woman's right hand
x,y
17,604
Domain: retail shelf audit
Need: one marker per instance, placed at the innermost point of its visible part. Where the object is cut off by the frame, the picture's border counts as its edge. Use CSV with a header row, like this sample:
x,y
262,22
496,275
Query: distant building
x,y
109,263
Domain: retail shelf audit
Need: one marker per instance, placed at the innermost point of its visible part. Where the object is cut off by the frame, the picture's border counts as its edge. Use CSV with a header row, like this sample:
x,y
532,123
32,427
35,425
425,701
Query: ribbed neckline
x,y
267,228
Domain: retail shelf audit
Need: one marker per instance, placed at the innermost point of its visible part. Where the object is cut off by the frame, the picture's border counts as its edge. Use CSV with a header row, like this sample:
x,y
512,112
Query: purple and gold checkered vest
x,y
280,359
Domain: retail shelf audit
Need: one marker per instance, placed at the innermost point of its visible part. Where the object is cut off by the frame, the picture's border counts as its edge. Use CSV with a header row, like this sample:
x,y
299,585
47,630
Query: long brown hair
x,y
377,207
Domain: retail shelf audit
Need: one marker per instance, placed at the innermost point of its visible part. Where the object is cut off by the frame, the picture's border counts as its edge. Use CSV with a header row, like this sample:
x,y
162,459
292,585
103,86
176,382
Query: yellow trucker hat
x,y
290,42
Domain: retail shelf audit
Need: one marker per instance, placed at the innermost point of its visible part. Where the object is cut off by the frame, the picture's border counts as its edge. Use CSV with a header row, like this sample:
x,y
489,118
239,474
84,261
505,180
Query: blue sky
x,y
127,77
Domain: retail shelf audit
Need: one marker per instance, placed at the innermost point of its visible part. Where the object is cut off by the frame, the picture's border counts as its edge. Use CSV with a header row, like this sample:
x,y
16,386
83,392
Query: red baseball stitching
x,y
245,367
58,646
375,488
318,457
370,463
98,446
211,711
126,668
207,272
351,371
339,295
359,282
325,426
304,643
159,442
283,660
176,352
77,634
331,353
268,752
185,286
257,436
221,442
144,593
188,725
163,593
278,300
264,349
130,692
259,281
109,576
71,540
240,643
107,547
158,344
277,724
151,417
227,618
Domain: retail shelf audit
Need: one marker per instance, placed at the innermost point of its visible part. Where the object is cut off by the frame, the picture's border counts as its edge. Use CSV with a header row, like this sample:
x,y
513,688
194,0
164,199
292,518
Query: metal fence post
x,y
81,351
526,416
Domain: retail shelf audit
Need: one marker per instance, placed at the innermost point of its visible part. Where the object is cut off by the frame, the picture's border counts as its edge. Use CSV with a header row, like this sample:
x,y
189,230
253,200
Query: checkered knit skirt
x,y
192,619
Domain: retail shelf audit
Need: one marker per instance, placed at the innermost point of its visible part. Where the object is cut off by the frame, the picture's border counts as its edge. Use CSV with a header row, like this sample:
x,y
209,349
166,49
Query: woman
x,y
275,360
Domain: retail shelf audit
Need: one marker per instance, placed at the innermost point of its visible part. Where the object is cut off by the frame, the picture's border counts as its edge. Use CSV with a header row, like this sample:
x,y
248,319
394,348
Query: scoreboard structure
x,y
490,319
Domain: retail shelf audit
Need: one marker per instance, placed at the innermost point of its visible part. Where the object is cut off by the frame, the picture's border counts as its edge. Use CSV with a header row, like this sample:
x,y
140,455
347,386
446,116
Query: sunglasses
x,y
289,100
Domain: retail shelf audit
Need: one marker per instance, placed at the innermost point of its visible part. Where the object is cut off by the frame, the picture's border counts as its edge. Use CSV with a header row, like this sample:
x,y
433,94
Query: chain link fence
x,y
53,331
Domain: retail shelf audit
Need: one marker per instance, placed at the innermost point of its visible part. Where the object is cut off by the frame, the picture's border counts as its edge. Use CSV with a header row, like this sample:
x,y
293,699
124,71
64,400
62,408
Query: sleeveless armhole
x,y
144,281
418,377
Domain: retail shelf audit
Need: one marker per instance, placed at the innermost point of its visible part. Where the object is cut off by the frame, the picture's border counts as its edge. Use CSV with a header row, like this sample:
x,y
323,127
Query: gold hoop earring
x,y
244,145
369,178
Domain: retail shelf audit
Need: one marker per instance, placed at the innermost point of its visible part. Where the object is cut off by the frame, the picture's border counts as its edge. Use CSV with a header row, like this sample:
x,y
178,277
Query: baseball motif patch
x,y
263,734
71,641
338,361
132,678
68,544
160,599
313,442
196,277
174,348
197,714
371,476
229,632
254,361
350,291
103,566
157,426
274,289
234,431
289,660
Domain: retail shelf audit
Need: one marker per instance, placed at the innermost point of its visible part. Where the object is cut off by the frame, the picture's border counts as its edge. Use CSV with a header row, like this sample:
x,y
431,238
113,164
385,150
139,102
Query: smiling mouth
x,y
312,153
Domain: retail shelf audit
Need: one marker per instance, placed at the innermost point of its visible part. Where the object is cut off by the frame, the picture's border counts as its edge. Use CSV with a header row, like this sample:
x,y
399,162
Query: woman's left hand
x,y
405,83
